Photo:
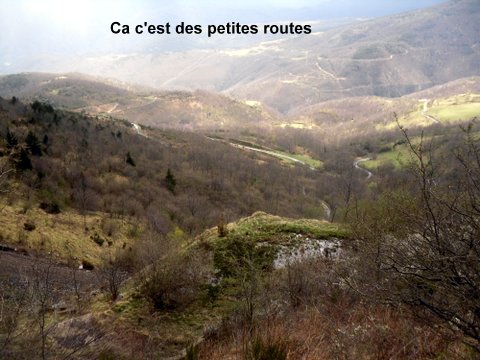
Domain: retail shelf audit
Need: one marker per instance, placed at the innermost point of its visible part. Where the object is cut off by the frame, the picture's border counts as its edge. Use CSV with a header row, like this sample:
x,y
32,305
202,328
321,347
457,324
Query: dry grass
x,y
344,330
64,234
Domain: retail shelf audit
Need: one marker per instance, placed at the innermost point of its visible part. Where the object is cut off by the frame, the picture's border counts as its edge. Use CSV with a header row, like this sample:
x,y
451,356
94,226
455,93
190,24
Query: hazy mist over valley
x,y
269,180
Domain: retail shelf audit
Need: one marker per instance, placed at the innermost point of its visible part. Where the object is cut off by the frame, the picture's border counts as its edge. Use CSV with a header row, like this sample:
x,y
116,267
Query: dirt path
x,y
112,109
329,74
425,110
328,211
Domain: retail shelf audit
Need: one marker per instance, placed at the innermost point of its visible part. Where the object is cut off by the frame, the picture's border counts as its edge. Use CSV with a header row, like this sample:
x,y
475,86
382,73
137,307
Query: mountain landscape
x,y
386,57
299,197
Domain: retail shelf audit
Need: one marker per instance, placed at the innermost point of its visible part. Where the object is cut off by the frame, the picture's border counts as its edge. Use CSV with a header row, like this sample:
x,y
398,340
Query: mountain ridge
x,y
389,57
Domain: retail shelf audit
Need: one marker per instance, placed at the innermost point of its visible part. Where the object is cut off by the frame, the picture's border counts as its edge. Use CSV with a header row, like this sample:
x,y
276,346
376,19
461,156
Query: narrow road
x,y
187,69
356,164
272,153
268,152
138,130
327,73
424,111
113,108
328,211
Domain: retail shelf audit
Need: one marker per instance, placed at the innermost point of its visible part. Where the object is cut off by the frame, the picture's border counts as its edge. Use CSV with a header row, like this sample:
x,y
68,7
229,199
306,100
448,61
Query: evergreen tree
x,y
36,106
23,162
170,181
40,107
33,145
129,159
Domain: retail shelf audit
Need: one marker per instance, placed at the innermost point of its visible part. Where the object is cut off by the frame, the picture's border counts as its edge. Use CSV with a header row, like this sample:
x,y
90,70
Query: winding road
x,y
113,108
138,130
272,153
356,164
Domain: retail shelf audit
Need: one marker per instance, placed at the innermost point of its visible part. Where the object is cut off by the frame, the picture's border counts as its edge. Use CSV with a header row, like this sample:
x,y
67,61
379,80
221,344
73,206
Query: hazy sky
x,y
30,29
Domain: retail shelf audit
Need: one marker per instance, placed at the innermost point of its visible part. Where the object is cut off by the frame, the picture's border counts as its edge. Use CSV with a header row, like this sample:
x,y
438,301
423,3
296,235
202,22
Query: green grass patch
x,y
458,108
264,228
399,157
453,113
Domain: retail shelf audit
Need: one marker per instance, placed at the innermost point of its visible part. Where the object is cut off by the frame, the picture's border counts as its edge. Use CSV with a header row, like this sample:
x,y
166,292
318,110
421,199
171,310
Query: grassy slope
x,y
459,108
456,112
174,109
64,234
398,156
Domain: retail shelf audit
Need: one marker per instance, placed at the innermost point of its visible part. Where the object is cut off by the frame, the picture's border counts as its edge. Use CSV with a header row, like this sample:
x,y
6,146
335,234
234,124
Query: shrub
x,y
129,160
170,181
23,161
192,353
222,229
50,207
259,349
109,227
171,279
33,145
236,255
29,225
98,239
87,265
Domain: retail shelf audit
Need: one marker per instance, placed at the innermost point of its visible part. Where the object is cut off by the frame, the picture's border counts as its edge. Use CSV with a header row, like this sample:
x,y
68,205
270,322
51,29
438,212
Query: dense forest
x,y
167,178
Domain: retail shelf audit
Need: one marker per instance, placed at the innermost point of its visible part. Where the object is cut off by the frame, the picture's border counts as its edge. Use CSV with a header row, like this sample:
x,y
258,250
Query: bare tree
x,y
12,305
42,298
113,273
5,172
82,195
424,242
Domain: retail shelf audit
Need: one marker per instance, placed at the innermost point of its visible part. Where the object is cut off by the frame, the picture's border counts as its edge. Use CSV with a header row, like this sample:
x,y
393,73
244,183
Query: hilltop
x,y
200,110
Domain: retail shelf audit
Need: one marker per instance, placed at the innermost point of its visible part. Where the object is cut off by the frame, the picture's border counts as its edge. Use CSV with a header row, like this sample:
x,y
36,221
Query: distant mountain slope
x,y
206,111
454,102
372,107
168,109
387,57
